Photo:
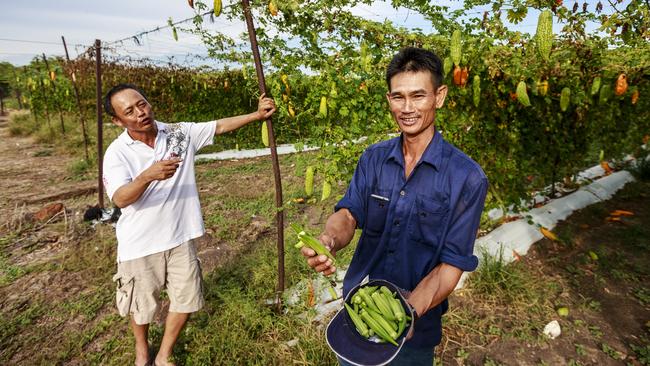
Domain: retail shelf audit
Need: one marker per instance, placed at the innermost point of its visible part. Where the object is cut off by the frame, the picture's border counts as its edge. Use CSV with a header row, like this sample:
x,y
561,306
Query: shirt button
x,y
391,251
396,222
402,193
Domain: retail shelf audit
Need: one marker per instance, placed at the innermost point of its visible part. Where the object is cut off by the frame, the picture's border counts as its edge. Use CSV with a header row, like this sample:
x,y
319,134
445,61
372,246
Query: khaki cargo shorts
x,y
140,281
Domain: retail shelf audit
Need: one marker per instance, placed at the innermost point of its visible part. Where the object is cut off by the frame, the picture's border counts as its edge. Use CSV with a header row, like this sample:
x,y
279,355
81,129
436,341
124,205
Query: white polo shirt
x,y
168,213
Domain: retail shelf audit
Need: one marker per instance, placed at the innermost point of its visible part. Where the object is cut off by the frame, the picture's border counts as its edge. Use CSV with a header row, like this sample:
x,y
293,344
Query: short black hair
x,y
108,107
411,59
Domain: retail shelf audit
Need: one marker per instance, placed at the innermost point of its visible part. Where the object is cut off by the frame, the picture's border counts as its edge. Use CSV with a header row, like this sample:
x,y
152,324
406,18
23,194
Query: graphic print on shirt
x,y
176,142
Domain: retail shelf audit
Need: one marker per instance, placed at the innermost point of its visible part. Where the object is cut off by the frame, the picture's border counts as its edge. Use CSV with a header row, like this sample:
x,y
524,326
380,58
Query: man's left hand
x,y
265,107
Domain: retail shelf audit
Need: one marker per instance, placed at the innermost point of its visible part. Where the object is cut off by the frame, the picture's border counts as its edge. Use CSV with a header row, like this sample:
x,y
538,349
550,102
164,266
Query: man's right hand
x,y
161,170
321,263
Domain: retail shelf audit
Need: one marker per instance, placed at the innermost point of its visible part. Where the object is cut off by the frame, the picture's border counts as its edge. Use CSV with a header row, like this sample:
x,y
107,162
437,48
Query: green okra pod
x,y
379,331
356,319
332,292
370,289
398,310
367,299
401,325
316,245
312,242
386,291
388,326
383,306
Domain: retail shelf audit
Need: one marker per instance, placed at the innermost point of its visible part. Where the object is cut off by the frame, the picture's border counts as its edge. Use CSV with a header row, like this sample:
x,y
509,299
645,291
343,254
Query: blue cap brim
x,y
343,338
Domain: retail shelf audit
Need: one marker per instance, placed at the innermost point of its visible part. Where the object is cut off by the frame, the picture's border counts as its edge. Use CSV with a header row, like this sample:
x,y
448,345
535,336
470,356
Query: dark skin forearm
x,y
434,288
130,192
339,228
265,109
232,123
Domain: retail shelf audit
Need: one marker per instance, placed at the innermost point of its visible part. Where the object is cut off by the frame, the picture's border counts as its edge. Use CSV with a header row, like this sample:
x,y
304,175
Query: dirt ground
x,y
32,173
599,270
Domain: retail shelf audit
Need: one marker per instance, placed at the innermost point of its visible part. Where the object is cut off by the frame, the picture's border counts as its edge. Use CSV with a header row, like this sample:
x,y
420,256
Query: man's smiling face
x,y
413,100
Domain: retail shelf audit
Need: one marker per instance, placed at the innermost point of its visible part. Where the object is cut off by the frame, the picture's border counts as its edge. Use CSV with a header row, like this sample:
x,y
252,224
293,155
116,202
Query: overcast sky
x,y
31,27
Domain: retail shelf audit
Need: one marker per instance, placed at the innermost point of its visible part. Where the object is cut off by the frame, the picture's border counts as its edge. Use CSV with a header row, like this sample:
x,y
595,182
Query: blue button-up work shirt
x,y
410,225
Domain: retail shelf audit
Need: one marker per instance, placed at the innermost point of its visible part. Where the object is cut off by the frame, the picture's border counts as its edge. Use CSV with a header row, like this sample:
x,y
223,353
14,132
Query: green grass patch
x,y
504,300
495,278
69,347
15,321
9,272
94,254
595,331
611,352
41,153
87,304
72,344
116,350
21,124
70,143
82,169
643,295
642,353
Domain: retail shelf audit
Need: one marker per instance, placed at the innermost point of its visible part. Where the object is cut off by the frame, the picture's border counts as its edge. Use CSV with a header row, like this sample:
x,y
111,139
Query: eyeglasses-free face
x,y
413,101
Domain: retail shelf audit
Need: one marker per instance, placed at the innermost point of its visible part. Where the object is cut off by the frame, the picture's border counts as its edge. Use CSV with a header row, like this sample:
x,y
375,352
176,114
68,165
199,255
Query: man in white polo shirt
x,y
149,174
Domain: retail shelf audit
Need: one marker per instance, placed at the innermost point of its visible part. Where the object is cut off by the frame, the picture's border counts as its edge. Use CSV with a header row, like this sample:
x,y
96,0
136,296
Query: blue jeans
x,y
408,356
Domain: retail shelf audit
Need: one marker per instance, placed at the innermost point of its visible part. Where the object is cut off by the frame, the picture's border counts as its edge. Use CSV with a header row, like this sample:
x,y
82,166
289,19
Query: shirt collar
x,y
432,154
126,138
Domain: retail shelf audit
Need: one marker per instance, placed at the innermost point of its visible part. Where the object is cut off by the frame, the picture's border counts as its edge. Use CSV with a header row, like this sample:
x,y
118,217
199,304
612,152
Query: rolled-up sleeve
x,y
355,196
459,246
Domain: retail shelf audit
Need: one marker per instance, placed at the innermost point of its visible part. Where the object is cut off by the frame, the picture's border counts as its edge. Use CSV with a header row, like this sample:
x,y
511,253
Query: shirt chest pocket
x,y
378,204
429,222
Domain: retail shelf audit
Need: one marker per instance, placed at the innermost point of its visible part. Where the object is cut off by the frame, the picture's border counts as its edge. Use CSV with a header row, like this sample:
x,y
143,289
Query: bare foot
x,y
164,361
141,357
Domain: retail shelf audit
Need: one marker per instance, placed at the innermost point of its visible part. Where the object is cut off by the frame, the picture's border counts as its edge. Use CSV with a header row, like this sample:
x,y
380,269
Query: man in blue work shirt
x,y
418,200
